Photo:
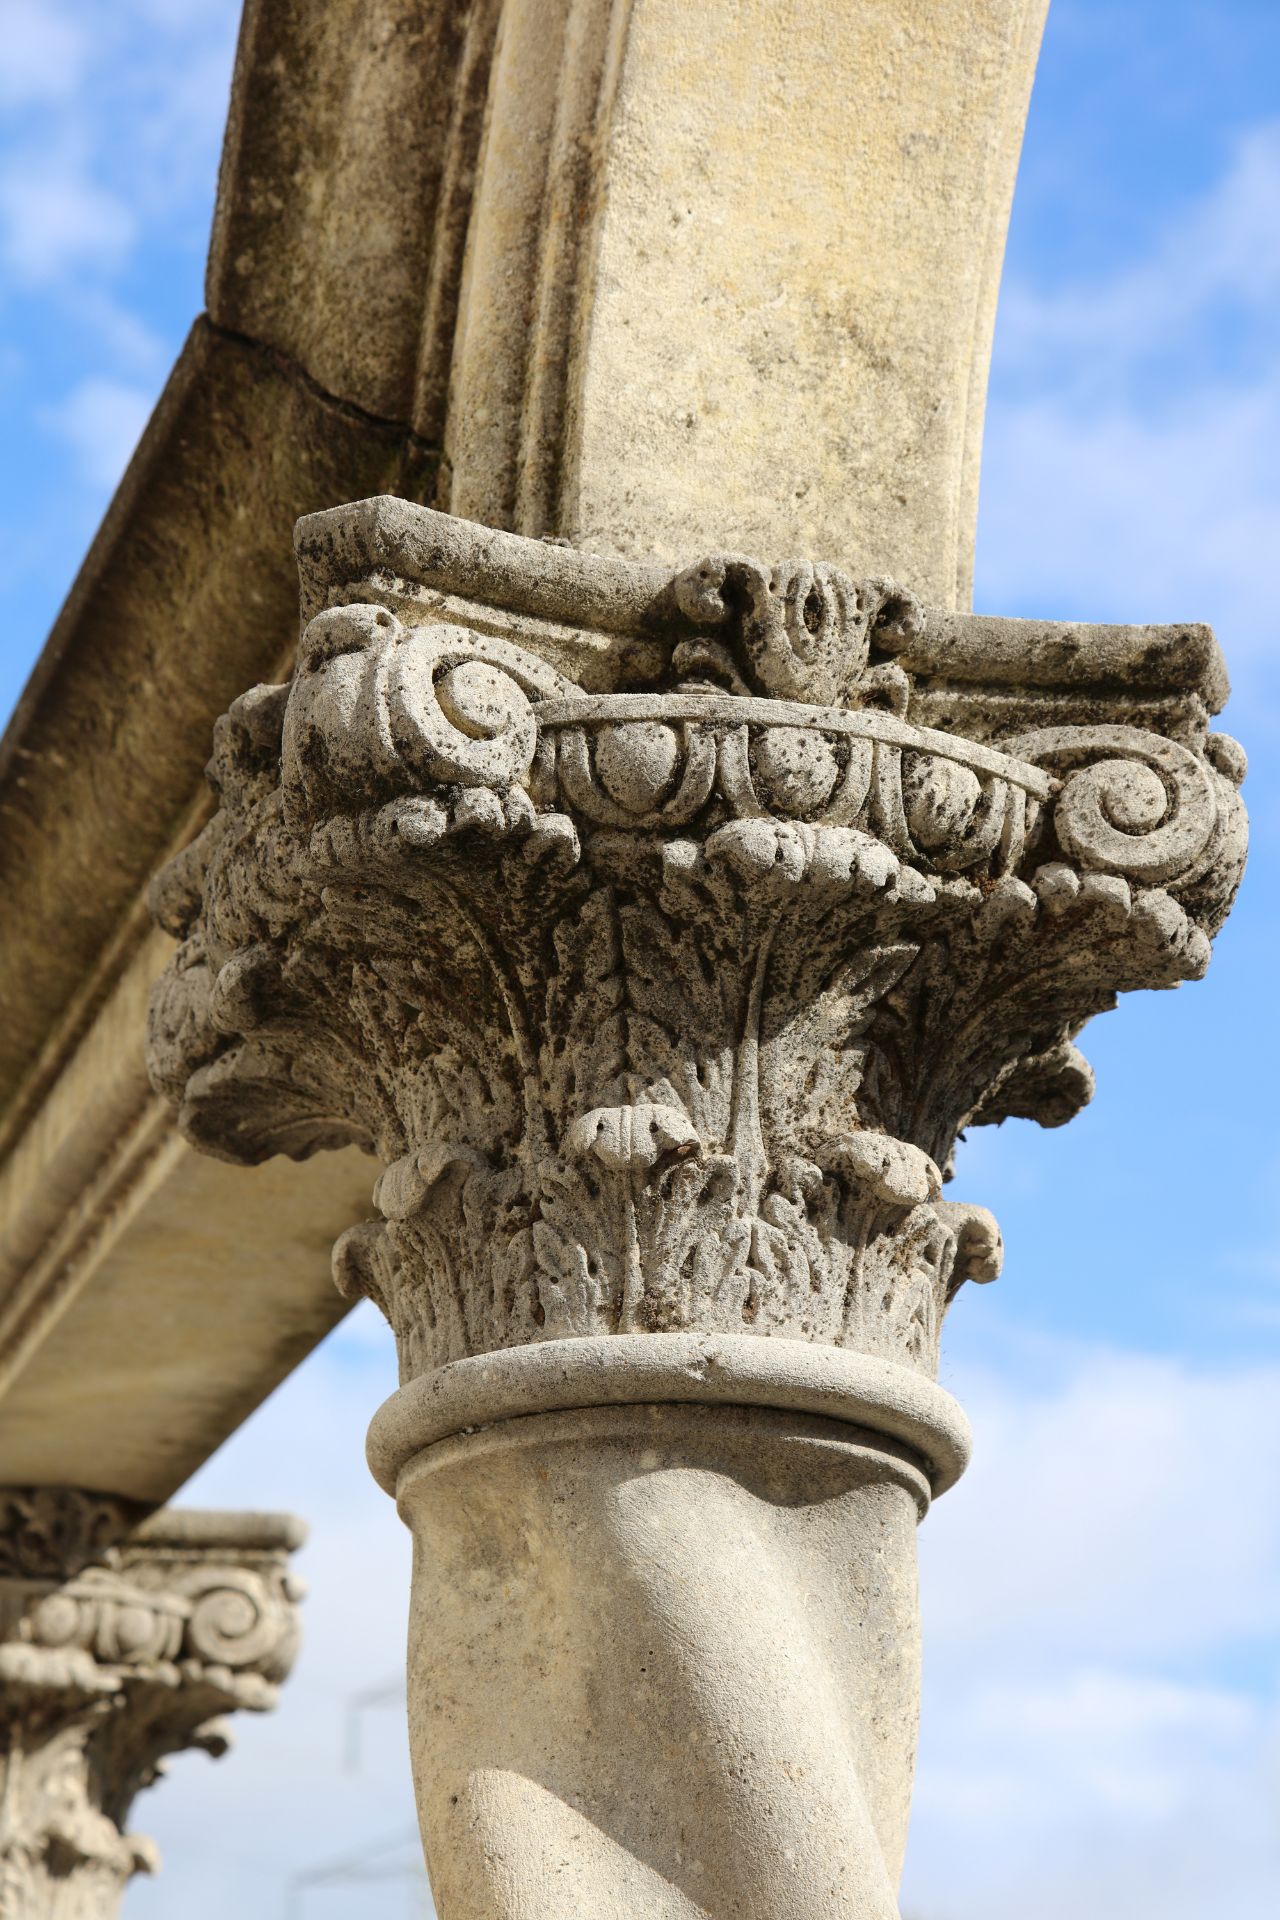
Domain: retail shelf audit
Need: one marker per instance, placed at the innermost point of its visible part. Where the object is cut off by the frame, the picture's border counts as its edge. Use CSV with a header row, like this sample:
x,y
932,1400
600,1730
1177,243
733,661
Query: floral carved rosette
x,y
661,934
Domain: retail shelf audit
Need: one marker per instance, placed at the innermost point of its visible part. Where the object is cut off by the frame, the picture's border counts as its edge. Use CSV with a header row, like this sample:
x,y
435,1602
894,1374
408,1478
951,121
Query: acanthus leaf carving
x,y
664,1000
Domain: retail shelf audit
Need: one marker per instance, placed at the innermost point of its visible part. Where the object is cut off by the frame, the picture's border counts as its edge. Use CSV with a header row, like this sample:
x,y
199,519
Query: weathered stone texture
x,y
734,280
532,233
345,190
659,930
521,227
663,1005
180,601
122,1640
664,1663
656,914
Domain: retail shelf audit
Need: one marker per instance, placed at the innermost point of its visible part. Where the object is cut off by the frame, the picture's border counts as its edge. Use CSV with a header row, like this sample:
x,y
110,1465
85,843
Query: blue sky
x,y
1102,1592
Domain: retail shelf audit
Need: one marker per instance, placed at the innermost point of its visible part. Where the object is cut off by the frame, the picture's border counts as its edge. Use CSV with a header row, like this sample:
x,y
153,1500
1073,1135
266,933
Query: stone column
x,y
659,929
122,1639
730,274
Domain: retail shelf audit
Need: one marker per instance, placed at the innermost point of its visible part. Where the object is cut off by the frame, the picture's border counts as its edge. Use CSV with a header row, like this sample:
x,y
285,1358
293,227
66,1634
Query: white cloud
x,y
101,421
126,342
116,116
1101,1730
1094,1746
57,220
1069,1534
182,112
1132,460
1102,1793
1220,253
1102,1717
44,53
1135,517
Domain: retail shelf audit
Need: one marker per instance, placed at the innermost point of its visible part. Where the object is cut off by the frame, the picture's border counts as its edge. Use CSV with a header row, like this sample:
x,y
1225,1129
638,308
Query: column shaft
x,y
664,1661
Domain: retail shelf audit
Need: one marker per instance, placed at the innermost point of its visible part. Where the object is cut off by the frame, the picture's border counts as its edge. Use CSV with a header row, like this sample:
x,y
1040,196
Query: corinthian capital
x,y
122,1640
659,934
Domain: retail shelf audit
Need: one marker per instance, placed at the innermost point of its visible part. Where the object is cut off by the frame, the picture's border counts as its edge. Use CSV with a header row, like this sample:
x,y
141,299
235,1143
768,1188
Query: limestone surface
x,y
659,930
122,1639
661,957
724,1596
567,266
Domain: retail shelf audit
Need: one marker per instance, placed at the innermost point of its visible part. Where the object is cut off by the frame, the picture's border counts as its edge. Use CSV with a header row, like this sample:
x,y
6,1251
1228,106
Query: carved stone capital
x,y
660,933
122,1639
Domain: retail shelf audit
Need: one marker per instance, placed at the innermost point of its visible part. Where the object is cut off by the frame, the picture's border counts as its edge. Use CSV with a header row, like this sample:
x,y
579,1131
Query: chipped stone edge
x,y
385,535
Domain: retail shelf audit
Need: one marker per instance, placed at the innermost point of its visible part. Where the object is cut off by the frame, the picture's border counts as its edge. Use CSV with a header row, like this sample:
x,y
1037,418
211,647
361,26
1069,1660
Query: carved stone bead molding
x,y
122,1639
660,934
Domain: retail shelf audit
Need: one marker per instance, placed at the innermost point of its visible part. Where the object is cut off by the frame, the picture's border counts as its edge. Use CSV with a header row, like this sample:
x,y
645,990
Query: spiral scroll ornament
x,y
663,992
237,1622
123,1638
1132,803
377,708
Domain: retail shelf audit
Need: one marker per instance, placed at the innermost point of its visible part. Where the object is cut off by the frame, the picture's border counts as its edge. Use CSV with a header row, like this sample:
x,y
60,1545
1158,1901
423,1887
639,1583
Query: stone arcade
x,y
643,856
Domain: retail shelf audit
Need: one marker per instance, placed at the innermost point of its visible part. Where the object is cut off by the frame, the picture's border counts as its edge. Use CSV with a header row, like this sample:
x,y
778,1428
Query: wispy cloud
x,y
45,53
1132,466
111,121
1102,1711
1216,260
112,116
1105,1795
1068,1537
1102,1714
100,420
56,221
304,1452
1101,1729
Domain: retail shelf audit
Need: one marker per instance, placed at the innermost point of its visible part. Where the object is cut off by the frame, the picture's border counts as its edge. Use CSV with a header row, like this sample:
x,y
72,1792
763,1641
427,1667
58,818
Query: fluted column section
x,y
659,931
122,1639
